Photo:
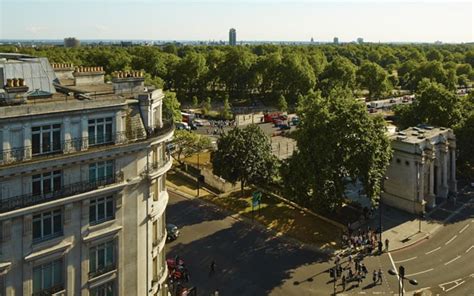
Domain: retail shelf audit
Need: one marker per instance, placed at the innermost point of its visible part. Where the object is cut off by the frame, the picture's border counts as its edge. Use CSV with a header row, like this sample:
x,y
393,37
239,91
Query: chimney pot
x,y
21,82
9,82
15,82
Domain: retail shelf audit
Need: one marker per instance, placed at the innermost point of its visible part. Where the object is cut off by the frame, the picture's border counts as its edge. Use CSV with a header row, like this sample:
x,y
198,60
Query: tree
x,y
339,73
336,139
206,106
195,102
465,144
282,105
188,143
374,78
226,111
172,106
244,154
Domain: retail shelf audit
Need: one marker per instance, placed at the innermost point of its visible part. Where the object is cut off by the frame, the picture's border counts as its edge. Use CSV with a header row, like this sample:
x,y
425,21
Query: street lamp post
x,y
380,207
401,279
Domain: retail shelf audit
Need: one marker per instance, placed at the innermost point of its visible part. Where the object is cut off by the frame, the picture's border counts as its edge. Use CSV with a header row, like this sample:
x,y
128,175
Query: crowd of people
x,y
357,244
217,126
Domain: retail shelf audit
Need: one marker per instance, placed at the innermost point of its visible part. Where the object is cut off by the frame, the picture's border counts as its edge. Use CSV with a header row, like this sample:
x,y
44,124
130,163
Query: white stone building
x,y
82,181
423,168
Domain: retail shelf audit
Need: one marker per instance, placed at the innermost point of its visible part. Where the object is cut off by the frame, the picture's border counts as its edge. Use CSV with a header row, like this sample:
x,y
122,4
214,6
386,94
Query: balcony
x,y
50,291
28,153
30,199
101,270
153,167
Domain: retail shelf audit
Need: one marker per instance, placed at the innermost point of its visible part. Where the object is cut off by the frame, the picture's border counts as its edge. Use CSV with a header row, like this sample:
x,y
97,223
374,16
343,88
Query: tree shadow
x,y
188,212
248,262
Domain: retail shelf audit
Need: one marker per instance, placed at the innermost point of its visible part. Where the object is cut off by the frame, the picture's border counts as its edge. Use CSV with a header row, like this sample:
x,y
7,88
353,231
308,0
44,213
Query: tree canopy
x,y
336,139
244,154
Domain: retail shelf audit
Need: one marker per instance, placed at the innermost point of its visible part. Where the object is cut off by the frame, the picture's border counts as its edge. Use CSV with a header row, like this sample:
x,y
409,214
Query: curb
x,y
248,221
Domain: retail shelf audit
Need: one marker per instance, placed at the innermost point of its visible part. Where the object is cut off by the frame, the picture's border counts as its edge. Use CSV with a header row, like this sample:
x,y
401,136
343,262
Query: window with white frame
x,y
100,131
101,258
101,171
46,139
101,209
107,289
48,278
46,183
47,225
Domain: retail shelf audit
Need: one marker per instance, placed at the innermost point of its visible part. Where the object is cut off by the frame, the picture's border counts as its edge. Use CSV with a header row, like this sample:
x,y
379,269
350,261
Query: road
x,y
250,261
444,263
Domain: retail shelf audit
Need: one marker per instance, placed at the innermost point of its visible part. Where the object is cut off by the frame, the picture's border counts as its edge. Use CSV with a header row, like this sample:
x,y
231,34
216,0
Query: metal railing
x,y
154,166
30,199
49,291
24,153
102,270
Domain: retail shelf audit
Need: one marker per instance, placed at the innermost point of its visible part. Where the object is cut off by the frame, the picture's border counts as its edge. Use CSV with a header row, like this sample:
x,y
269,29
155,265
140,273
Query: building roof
x,y
421,137
37,72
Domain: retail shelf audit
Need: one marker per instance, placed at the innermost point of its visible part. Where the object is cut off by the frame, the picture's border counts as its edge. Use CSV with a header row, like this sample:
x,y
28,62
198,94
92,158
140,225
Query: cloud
x,y
36,29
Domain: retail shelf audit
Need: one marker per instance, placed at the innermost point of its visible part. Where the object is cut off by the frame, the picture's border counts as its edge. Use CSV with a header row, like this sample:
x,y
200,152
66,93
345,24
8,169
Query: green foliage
x,y
226,112
206,106
336,139
172,106
374,78
340,73
244,154
465,143
195,102
282,105
188,143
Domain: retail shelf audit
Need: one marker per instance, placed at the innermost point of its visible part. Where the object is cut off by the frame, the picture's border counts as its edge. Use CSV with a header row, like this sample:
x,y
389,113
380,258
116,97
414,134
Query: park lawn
x,y
282,218
183,184
204,159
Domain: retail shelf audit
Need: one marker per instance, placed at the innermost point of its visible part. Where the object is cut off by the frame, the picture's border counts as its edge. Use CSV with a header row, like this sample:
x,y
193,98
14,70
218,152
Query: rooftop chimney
x,y
63,70
88,75
15,90
128,82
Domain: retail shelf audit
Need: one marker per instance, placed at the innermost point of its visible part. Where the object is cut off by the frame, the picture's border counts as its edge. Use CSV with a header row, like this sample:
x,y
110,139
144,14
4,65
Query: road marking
x,y
405,260
396,271
469,248
451,240
417,273
464,228
432,251
452,260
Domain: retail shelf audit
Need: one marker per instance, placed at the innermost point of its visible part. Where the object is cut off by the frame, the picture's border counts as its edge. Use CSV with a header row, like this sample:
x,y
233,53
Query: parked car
x,y
277,122
173,232
284,126
295,120
392,101
182,126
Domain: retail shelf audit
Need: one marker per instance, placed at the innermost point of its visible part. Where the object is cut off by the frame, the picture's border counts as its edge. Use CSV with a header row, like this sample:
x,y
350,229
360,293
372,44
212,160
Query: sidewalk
x,y
403,229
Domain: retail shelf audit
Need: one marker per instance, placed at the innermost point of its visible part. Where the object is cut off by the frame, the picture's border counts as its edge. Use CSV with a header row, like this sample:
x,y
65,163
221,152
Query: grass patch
x,y
204,159
184,184
282,218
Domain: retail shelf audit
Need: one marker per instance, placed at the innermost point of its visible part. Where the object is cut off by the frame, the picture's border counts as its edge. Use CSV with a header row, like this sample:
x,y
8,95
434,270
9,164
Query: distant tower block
x,y
335,40
232,37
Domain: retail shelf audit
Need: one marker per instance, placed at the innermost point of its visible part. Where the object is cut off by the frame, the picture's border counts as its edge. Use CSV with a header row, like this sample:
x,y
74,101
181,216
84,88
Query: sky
x,y
263,20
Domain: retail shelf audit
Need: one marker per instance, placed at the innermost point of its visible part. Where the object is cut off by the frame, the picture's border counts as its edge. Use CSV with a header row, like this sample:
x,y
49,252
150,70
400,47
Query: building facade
x,y
423,168
82,182
232,37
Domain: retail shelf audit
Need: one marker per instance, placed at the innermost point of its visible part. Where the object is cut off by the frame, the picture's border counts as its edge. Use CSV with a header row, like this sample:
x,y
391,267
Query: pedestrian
x,y
380,275
216,292
380,247
374,277
212,268
343,283
359,279
386,244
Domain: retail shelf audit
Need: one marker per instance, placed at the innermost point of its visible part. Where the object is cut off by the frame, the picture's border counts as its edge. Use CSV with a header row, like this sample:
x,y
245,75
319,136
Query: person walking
x,y
212,268
386,244
374,277
343,283
380,276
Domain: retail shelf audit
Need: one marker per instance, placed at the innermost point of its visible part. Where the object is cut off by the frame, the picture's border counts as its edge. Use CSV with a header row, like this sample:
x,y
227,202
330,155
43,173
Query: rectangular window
x,y
107,289
155,268
100,131
46,183
101,171
48,278
155,232
47,225
46,139
101,209
101,258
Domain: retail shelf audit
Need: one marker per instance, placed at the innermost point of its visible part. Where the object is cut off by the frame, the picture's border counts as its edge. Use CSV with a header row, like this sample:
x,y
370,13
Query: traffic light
x,y
401,271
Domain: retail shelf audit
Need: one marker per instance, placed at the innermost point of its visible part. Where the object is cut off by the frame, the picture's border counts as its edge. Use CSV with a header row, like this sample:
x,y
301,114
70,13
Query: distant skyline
x,y
261,20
